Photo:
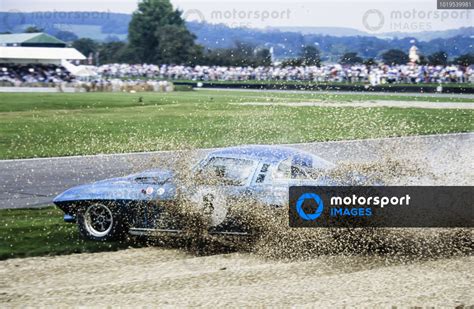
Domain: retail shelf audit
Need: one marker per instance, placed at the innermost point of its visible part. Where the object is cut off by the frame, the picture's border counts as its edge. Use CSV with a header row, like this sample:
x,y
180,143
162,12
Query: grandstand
x,y
30,58
35,48
30,40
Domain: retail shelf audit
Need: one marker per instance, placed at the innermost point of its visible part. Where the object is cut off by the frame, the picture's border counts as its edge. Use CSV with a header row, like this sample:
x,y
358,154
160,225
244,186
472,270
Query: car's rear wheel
x,y
100,222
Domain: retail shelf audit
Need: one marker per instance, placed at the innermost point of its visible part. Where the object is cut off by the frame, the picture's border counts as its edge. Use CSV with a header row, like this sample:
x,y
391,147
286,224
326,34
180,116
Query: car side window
x,y
289,169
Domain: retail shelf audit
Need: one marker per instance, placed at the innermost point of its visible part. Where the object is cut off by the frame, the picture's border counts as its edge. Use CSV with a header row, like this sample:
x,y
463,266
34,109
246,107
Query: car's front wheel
x,y
100,222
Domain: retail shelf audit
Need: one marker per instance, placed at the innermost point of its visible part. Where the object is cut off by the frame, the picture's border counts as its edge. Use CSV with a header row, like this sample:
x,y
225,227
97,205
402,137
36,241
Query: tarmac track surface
x,y
439,160
367,93
368,104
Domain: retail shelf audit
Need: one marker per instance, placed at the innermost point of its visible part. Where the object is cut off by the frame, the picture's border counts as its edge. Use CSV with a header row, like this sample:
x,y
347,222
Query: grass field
x,y
36,232
42,125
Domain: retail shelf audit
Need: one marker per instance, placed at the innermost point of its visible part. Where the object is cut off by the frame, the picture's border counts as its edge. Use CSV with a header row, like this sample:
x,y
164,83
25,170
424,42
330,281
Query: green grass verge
x,y
38,232
42,125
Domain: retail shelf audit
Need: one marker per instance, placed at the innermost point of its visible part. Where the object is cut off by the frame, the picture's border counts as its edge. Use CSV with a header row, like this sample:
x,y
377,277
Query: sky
x,y
369,16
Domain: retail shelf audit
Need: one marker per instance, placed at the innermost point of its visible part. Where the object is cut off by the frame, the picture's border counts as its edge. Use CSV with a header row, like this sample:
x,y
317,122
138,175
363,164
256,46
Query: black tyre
x,y
101,222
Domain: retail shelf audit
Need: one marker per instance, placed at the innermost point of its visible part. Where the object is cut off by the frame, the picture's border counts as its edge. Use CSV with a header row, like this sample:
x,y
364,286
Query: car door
x,y
220,180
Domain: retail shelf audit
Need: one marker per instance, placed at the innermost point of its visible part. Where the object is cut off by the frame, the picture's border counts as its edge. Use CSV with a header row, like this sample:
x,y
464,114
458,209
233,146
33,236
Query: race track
x,y
367,104
367,93
436,159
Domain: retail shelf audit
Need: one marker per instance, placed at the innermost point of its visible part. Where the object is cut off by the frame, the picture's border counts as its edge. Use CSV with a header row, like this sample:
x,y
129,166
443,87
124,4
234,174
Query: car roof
x,y
269,153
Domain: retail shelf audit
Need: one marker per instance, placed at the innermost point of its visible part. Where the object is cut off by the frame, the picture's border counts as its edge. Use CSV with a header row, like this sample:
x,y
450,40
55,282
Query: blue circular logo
x,y
309,196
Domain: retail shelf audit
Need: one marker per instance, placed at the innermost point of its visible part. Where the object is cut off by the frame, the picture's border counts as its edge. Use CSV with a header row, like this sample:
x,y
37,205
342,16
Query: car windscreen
x,y
228,171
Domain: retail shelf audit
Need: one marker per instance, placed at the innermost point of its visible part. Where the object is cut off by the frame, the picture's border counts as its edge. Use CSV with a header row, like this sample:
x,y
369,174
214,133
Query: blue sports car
x,y
134,204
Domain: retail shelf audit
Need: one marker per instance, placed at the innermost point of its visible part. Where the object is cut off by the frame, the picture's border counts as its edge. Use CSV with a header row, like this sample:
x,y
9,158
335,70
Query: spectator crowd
x,y
376,74
18,75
